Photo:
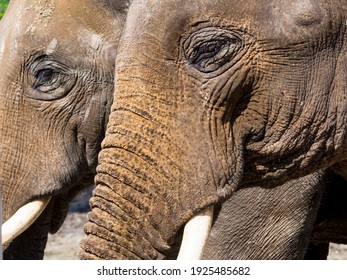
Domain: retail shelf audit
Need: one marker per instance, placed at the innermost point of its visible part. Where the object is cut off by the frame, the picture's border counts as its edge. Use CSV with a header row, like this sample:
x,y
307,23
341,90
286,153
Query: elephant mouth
x,y
23,219
26,215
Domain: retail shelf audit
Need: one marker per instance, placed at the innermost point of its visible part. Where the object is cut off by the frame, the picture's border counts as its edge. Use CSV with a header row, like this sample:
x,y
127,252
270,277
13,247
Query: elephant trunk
x,y
117,222
128,236
127,191
150,181
137,207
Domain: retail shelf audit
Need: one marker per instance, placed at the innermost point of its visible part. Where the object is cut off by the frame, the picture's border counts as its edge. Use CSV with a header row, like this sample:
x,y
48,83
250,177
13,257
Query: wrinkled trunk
x,y
142,199
155,171
130,190
118,223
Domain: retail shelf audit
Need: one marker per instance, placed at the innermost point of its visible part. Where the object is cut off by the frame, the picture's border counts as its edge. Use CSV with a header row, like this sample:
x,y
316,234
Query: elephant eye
x,y
43,77
209,49
205,51
52,80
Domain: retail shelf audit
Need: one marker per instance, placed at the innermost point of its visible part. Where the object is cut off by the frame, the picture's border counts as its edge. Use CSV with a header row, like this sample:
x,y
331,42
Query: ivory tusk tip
x,y
23,219
195,235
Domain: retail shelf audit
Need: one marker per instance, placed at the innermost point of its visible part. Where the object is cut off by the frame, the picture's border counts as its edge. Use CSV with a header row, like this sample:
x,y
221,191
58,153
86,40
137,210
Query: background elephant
x,y
222,97
56,80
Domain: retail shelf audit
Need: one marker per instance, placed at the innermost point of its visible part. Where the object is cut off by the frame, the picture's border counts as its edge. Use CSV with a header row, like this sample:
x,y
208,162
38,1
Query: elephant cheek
x,y
92,127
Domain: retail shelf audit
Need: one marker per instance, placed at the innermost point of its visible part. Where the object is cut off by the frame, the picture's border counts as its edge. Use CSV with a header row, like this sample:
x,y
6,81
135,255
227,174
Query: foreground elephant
x,y
213,97
56,88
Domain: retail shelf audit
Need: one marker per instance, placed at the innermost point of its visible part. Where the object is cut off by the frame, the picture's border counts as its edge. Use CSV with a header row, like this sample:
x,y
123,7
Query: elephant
x,y
215,101
56,81
61,201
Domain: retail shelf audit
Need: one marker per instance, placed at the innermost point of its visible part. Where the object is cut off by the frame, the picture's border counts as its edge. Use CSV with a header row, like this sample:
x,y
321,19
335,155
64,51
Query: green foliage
x,y
3,6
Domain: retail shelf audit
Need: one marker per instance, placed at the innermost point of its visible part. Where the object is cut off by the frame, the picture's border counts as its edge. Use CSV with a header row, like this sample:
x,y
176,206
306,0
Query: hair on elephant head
x,y
56,79
212,97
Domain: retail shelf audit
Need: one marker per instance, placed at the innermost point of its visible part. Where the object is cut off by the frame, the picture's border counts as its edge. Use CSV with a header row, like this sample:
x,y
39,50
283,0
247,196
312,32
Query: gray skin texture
x,y
223,96
56,89
275,223
272,223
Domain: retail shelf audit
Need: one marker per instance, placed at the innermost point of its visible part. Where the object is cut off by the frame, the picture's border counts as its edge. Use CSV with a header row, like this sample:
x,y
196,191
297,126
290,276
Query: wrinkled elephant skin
x,y
56,88
272,223
211,97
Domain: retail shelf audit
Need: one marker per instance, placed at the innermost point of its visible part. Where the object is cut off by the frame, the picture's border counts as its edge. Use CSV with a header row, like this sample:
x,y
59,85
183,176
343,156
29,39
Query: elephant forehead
x,y
54,26
303,20
306,12
294,19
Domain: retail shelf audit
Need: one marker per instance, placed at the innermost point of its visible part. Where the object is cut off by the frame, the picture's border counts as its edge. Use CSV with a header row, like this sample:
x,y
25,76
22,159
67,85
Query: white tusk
x,y
195,235
22,219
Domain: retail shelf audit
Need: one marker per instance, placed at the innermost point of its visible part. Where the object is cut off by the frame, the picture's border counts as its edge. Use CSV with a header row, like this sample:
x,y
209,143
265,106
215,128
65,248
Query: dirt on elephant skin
x,y
64,245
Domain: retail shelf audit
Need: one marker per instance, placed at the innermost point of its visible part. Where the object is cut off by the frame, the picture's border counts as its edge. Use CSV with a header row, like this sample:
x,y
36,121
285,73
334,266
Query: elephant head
x,y
56,79
210,97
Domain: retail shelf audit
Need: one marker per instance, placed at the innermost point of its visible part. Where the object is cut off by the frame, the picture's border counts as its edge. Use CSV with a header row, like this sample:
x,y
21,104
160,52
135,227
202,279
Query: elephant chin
x,y
195,235
23,219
